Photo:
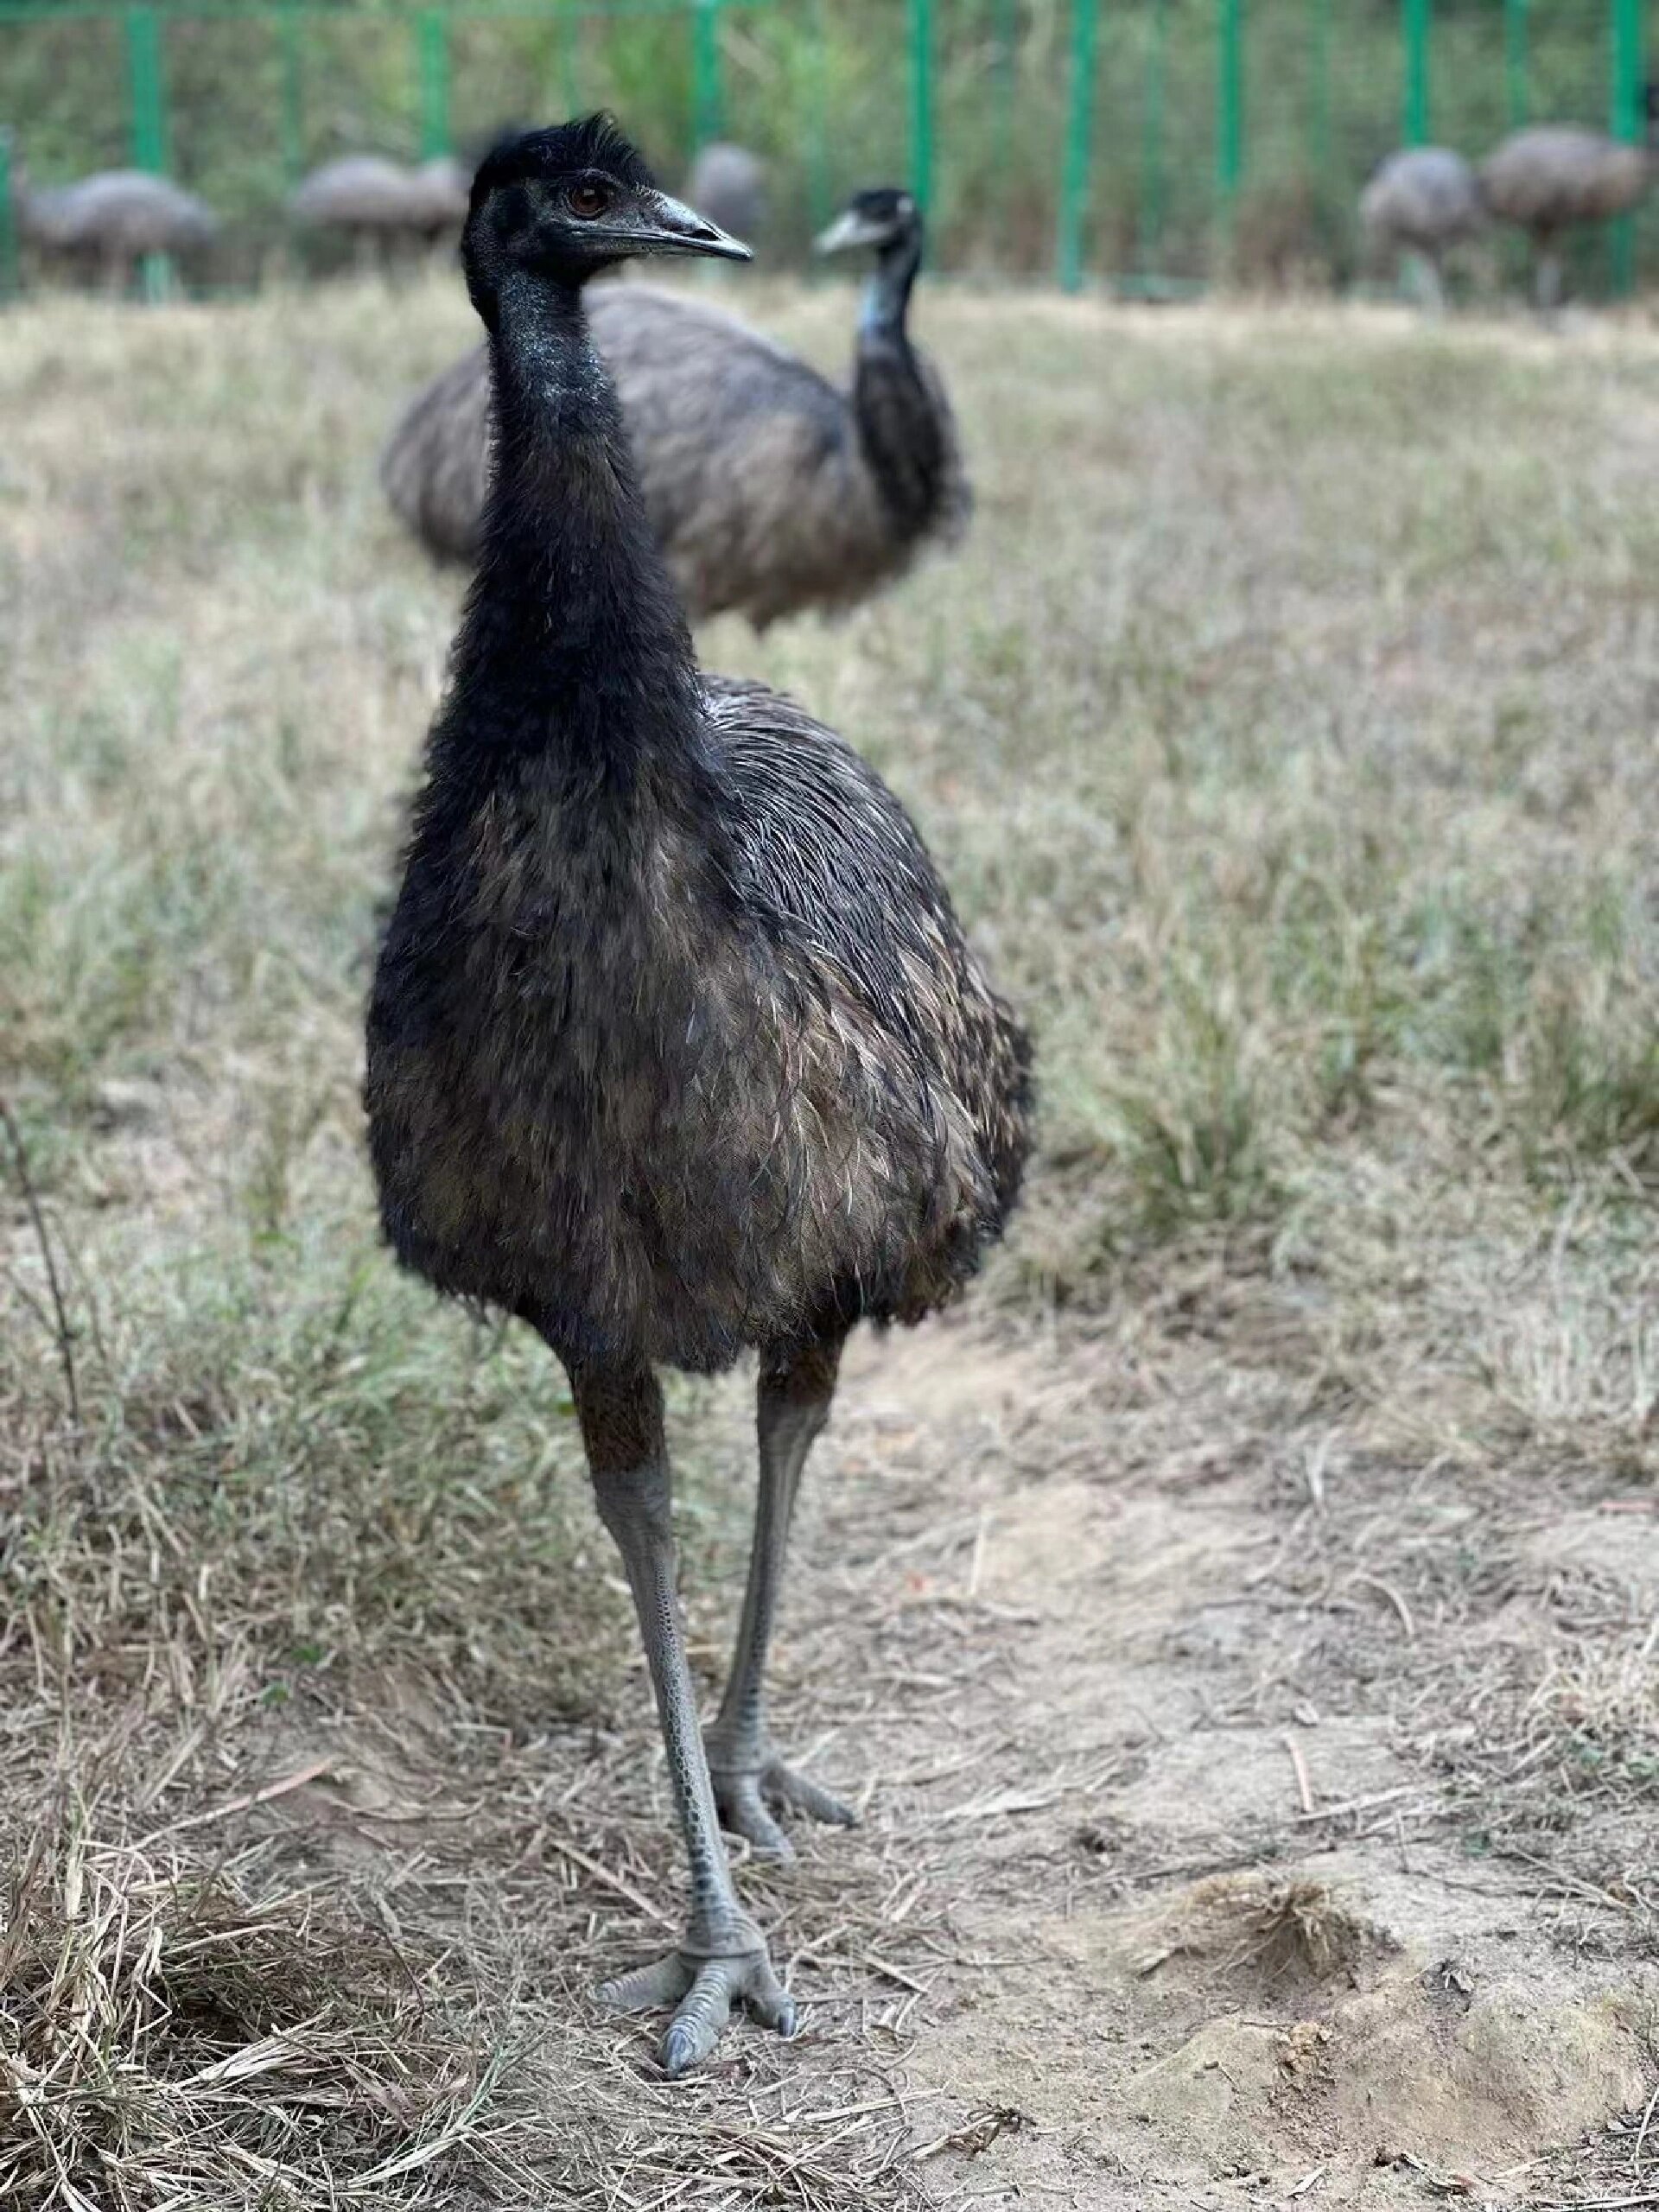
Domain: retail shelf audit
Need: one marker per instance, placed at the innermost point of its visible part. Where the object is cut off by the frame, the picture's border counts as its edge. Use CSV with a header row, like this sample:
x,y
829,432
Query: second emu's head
x,y
562,204
882,218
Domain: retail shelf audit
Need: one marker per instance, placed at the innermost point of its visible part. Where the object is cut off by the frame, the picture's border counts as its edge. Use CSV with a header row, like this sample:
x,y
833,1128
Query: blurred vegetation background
x,y
1197,138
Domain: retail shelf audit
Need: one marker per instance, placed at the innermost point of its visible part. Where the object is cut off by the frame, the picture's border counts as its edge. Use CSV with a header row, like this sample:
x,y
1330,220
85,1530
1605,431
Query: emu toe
x,y
703,1991
749,1798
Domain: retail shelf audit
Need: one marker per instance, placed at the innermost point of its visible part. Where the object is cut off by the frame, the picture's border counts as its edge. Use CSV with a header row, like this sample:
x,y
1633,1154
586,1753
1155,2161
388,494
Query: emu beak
x,y
848,232
668,225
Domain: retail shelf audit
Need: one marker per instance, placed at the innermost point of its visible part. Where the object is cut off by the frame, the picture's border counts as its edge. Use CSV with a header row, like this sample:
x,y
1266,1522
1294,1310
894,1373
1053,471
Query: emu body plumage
x,y
1556,177
379,204
675,1047
111,219
727,184
769,489
1424,200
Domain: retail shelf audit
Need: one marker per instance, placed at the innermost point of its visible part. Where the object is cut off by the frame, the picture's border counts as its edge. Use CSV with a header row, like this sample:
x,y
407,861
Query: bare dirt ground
x,y
1237,1626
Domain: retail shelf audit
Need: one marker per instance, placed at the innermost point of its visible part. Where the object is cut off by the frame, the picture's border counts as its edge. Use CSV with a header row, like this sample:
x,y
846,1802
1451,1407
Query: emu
x,y
1556,177
727,184
1423,200
438,197
769,489
111,219
674,1046
379,204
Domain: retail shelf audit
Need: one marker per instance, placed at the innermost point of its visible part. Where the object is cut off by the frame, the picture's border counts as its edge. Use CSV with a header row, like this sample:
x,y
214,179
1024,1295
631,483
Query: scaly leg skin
x,y
751,1782
724,1956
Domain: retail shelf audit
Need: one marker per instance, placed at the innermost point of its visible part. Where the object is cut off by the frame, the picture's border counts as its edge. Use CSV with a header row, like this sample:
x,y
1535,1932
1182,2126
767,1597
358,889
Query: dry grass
x,y
1287,729
173,2038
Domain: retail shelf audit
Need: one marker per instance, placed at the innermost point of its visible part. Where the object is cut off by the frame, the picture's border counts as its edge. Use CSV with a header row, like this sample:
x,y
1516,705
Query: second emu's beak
x,y
665,226
848,232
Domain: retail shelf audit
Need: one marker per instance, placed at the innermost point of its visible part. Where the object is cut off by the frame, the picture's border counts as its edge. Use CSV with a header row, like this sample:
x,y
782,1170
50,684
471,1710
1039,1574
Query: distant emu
x,y
1421,201
675,1047
727,183
1556,177
769,489
109,222
381,205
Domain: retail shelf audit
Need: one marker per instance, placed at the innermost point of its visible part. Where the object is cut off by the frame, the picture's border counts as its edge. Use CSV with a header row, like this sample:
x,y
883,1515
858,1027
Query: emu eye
x,y
587,200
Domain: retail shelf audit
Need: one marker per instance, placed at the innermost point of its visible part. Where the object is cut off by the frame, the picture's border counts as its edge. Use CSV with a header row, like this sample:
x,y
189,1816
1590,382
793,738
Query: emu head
x,y
565,203
880,219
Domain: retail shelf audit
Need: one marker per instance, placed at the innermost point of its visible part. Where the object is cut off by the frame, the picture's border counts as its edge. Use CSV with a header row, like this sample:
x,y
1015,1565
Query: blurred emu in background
x,y
1420,202
1556,177
769,488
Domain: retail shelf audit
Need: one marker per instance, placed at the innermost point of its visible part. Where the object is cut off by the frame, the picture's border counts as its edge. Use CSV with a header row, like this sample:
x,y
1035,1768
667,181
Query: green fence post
x,y
1002,74
921,102
1414,118
290,27
1150,229
1079,130
1518,95
144,86
706,91
432,51
8,223
148,105
817,122
1627,119
1230,110
1318,102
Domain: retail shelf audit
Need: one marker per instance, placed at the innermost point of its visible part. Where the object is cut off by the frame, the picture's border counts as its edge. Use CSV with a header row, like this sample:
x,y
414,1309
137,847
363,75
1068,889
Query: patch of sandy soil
x,y
1217,1935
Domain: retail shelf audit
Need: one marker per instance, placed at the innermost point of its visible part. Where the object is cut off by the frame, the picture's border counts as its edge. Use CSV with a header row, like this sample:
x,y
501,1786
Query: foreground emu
x,y
768,488
674,1046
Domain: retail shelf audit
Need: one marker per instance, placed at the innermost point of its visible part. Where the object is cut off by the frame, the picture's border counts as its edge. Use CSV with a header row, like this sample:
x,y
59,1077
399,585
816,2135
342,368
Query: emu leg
x,y
751,1782
723,1957
1549,279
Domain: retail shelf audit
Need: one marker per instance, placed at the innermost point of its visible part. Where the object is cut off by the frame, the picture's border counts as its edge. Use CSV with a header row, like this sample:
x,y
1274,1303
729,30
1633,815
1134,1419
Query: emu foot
x,y
750,1790
703,1987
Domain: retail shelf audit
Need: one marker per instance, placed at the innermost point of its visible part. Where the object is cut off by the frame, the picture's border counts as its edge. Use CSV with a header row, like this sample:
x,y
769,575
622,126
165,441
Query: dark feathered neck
x,y
904,440
573,642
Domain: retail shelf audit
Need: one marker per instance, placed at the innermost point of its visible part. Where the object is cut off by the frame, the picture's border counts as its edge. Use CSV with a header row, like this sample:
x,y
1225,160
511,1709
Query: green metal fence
x,y
1153,144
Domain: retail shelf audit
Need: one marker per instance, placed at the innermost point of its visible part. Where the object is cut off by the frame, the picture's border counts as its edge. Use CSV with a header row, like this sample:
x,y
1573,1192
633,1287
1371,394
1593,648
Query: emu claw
x,y
747,1798
702,1990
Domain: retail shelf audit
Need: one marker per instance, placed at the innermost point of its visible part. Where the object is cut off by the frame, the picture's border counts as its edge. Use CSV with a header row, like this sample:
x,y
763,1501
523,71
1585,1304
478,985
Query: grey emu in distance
x,y
1422,202
727,183
380,205
111,219
674,1046
1556,177
769,489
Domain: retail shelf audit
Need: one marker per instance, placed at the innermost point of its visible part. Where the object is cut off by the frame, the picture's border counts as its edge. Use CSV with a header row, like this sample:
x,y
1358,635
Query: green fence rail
x,y
1156,144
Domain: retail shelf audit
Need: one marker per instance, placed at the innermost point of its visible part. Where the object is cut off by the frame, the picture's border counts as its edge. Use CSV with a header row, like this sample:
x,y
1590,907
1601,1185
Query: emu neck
x,y
903,440
885,300
573,644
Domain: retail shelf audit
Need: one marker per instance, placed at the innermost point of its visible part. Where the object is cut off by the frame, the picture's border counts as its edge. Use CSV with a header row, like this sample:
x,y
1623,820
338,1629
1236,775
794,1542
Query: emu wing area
x,y
832,865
